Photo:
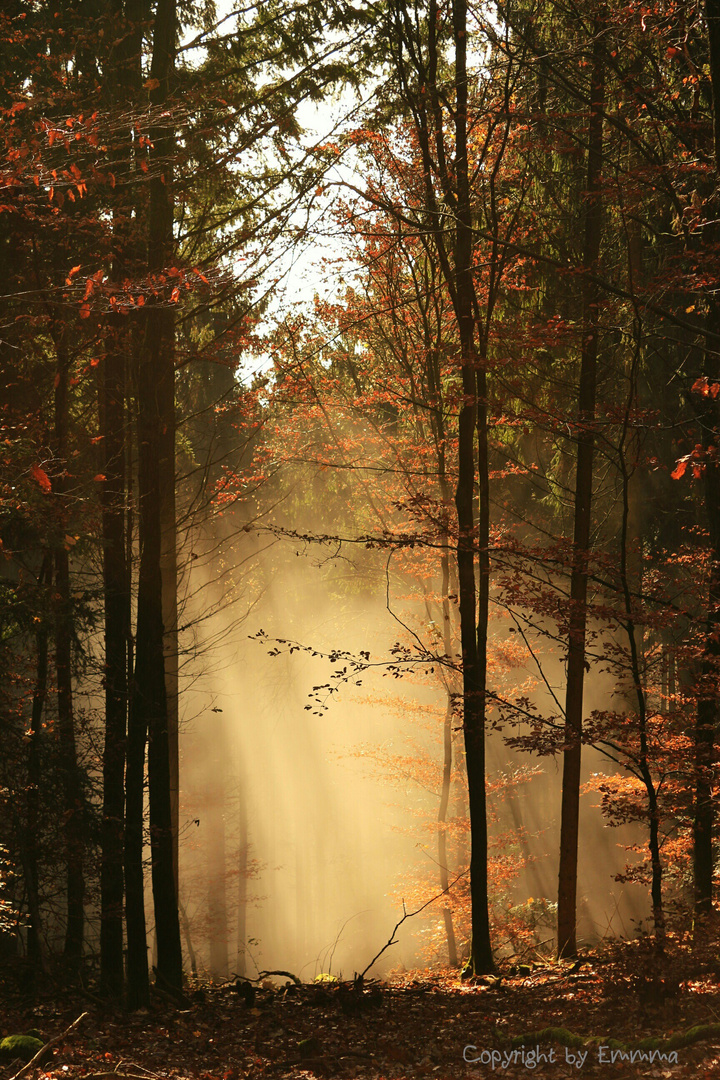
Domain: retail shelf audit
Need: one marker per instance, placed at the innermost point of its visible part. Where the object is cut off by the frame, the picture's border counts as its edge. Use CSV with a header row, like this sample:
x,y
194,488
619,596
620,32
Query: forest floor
x,y
422,1024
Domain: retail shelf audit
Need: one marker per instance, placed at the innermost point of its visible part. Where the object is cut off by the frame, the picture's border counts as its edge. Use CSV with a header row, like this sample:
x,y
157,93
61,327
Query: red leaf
x,y
100,476
706,388
680,469
175,295
41,477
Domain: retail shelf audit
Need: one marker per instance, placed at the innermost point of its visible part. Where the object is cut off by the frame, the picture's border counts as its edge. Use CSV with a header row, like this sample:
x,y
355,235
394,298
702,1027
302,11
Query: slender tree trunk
x,y
122,88
36,952
242,868
440,435
116,585
156,397
442,832
706,716
72,787
447,759
169,571
138,985
576,663
636,673
709,696
473,632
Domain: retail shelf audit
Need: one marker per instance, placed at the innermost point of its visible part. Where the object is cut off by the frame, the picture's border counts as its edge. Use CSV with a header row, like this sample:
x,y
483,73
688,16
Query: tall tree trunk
x,y
36,952
442,832
440,440
632,573
72,787
708,701
576,663
169,572
115,583
473,634
156,398
242,870
122,88
706,718
447,750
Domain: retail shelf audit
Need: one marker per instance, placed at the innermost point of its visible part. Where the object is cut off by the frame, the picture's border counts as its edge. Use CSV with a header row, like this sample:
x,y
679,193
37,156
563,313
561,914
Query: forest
x,y
359,538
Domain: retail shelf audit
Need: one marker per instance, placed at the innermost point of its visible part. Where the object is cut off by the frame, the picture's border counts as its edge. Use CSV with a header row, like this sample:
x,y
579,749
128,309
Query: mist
x,y
305,835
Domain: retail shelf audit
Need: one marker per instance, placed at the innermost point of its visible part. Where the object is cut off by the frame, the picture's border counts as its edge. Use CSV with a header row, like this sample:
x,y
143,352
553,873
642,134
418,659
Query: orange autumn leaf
x,y
706,388
41,477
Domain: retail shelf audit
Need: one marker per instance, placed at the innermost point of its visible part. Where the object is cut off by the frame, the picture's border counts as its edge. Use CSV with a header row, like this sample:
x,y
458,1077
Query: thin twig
x,y
53,1042
408,915
117,1076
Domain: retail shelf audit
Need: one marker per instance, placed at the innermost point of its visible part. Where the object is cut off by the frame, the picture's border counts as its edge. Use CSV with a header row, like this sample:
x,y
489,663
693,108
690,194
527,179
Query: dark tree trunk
x,y
116,586
576,662
636,673
473,633
156,398
708,701
709,696
36,952
71,783
123,768
138,987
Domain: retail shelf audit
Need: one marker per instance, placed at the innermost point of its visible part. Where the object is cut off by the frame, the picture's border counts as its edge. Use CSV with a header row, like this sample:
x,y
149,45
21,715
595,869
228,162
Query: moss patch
x,y
24,1047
